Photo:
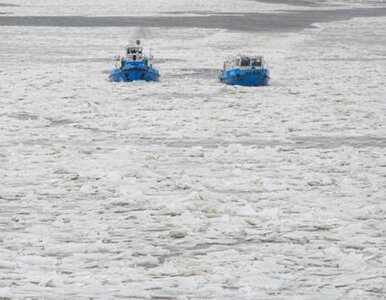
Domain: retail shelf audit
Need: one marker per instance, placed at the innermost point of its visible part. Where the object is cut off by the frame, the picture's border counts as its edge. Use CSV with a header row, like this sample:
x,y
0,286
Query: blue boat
x,y
134,66
245,70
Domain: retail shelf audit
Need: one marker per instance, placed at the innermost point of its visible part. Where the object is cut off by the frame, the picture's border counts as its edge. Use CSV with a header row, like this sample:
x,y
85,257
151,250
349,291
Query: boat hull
x,y
133,72
249,77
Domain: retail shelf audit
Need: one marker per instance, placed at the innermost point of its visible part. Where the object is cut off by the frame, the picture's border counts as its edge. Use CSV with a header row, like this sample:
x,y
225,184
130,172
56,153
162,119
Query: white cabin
x,y
245,62
134,53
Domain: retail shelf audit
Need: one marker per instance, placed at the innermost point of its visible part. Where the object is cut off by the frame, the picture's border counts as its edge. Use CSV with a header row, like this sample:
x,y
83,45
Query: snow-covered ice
x,y
187,188
167,7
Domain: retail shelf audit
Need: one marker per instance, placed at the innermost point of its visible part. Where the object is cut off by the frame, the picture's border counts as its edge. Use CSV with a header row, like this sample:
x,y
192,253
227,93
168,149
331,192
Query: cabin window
x,y
245,62
256,63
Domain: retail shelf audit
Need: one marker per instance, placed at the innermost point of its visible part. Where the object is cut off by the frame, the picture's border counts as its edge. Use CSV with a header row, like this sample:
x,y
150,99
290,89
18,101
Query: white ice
x,y
187,188
167,7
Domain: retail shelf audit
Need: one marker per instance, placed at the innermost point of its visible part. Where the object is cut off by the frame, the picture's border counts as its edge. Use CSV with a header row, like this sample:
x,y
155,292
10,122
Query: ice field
x,y
188,188
156,7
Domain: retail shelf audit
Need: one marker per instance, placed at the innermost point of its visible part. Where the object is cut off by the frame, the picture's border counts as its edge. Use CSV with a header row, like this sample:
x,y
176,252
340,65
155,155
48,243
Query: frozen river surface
x,y
187,188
